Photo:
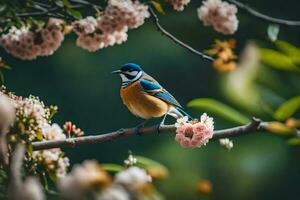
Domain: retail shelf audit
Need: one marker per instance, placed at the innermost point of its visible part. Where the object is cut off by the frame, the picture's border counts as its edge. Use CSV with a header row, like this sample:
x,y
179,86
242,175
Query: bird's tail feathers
x,y
178,113
185,113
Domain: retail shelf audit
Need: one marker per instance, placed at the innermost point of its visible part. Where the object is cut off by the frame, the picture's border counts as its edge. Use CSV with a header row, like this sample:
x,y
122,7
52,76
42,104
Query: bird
x,y
145,97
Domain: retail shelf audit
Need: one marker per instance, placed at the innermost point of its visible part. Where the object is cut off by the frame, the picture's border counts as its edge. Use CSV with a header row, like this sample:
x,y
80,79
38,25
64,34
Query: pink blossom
x,y
112,26
52,37
179,4
28,45
194,134
85,26
219,14
120,14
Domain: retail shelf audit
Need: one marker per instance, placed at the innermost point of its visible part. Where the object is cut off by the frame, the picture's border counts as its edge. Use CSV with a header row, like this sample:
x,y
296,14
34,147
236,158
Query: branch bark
x,y
263,16
176,40
254,126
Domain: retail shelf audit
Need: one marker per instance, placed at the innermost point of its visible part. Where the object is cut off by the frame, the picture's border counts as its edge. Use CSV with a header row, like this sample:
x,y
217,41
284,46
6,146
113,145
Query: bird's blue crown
x,y
129,73
131,67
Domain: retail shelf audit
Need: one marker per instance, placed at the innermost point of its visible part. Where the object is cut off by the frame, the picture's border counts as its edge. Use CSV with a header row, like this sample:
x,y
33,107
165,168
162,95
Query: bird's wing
x,y
153,88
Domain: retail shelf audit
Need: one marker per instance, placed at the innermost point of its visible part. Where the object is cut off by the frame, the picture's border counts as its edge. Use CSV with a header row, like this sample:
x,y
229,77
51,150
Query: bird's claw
x,y
138,128
159,126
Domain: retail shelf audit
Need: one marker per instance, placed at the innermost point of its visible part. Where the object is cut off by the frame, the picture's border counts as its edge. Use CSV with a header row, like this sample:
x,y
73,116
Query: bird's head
x,y
129,73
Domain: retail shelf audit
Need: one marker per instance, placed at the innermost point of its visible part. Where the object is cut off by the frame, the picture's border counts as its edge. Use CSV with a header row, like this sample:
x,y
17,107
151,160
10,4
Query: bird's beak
x,y
116,72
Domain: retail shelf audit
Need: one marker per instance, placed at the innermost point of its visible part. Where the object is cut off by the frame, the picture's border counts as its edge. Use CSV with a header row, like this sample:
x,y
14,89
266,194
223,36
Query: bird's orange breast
x,y
142,104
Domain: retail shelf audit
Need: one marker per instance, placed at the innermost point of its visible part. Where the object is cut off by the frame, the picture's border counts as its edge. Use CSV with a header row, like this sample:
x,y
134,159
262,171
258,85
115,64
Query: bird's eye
x,y
130,70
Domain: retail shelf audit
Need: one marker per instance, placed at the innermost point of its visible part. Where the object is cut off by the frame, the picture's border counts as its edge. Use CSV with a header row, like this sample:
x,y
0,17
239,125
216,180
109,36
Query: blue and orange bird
x,y
144,96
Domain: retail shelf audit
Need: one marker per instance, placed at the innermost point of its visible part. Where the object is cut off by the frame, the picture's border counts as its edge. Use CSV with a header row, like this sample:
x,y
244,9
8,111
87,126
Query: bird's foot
x,y
162,123
159,126
139,127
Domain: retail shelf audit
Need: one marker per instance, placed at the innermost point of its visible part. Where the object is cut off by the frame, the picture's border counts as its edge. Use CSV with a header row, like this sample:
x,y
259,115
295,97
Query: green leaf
x,y
74,13
277,60
145,162
278,128
219,109
273,30
67,3
287,109
292,51
59,3
294,141
29,149
288,48
39,135
158,7
52,176
111,167
53,111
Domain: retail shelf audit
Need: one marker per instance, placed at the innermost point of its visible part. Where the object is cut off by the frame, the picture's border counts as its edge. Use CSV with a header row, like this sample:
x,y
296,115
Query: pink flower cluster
x,y
179,4
85,26
72,130
27,45
53,132
192,134
219,14
122,14
32,123
110,28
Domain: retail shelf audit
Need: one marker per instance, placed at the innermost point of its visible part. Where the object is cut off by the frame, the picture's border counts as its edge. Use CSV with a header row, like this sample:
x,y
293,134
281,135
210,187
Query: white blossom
x,y
133,177
226,142
62,165
53,132
32,189
33,110
83,177
114,192
131,160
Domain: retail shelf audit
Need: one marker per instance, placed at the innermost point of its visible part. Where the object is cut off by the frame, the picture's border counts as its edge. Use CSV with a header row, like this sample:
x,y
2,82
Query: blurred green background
x,y
260,166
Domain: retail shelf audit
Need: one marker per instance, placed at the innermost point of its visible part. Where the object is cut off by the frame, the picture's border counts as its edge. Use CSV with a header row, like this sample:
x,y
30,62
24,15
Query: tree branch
x,y
172,37
263,16
254,126
46,12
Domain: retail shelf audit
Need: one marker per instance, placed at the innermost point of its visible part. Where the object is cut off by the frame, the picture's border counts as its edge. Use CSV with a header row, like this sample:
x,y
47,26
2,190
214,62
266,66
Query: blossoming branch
x,y
255,125
27,38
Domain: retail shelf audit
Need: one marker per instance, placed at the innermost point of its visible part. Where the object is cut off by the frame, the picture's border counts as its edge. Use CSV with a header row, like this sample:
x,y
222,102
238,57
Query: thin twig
x,y
254,126
172,37
87,3
38,13
263,16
